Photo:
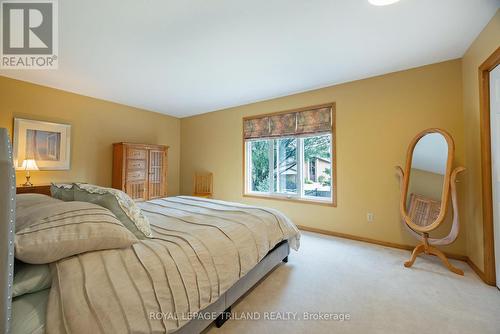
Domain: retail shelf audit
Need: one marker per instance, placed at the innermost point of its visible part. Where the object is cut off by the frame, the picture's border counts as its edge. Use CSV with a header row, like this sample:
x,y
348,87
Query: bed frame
x,y
222,307
7,214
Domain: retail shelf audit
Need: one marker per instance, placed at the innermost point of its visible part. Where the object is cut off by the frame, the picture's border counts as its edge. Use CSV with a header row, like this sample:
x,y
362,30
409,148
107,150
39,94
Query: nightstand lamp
x,y
29,164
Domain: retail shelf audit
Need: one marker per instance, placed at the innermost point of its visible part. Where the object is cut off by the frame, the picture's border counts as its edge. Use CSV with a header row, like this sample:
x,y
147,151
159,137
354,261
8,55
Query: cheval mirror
x,y
426,185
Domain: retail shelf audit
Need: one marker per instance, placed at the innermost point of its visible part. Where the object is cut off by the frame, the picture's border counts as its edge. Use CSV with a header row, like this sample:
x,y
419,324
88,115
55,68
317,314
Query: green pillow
x,y
62,191
29,313
118,202
29,278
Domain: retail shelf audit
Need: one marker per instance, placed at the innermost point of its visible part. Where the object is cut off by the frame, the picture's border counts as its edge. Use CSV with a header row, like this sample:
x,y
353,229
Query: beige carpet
x,y
369,282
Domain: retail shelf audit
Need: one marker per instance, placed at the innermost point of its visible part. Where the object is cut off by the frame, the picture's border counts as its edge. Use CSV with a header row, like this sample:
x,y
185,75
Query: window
x,y
292,158
259,152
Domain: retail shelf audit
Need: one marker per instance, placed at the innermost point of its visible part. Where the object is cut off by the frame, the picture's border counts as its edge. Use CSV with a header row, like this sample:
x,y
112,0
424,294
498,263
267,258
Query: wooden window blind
x,y
295,123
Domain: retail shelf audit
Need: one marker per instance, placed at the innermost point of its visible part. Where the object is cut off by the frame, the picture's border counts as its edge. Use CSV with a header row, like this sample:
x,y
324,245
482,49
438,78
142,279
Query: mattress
x,y
199,250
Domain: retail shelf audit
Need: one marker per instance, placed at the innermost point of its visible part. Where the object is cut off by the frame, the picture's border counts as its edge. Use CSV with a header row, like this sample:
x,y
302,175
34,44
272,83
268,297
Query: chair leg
x,y
419,249
442,257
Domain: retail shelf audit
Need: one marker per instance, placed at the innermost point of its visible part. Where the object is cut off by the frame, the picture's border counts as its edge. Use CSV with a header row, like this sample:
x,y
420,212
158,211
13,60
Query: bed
x,y
203,255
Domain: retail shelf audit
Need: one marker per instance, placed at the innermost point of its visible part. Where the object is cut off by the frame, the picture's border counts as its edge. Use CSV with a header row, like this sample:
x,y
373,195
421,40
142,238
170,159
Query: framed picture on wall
x,y
46,143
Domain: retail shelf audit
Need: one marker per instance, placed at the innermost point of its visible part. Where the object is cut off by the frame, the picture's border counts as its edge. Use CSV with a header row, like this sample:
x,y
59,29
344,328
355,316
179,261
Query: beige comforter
x,y
200,249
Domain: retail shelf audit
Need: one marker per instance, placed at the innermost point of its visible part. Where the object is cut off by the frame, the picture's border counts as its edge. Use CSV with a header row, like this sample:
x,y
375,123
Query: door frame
x,y
484,101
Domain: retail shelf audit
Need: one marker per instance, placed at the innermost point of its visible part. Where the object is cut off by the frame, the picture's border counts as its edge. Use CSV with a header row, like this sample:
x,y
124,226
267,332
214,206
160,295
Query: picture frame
x,y
49,144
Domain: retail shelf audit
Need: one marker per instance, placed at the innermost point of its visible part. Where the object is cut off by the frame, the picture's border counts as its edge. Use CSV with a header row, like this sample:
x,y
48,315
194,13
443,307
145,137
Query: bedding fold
x,y
198,250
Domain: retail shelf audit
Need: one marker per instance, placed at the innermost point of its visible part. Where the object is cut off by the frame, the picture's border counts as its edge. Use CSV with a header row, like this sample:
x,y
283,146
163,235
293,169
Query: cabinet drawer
x,y
133,153
136,164
137,175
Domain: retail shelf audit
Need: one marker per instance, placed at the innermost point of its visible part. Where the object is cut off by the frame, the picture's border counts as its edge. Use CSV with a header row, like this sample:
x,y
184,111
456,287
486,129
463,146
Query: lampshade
x,y
29,164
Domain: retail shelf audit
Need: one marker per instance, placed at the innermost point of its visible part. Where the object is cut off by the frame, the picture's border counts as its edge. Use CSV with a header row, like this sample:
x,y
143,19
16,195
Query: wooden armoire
x,y
140,170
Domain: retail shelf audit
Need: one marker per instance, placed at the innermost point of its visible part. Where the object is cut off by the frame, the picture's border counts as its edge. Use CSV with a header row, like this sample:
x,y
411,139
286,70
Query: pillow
x,y
29,313
118,202
30,278
62,191
53,230
24,201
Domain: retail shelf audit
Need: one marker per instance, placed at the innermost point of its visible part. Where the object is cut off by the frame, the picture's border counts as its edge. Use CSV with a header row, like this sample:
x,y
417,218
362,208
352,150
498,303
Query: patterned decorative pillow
x,y
62,191
118,202
52,230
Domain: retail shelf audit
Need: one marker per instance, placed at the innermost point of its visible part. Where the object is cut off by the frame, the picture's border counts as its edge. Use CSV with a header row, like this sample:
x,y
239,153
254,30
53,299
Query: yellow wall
x,y
426,183
482,48
376,119
95,125
430,185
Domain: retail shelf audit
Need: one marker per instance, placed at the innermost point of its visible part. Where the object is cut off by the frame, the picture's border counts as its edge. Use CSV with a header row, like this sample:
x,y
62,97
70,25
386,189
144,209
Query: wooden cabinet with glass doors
x,y
140,170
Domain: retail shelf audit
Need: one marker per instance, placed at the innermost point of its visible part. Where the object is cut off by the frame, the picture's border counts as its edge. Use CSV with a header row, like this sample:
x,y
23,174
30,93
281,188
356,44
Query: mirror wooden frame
x,y
446,183
427,245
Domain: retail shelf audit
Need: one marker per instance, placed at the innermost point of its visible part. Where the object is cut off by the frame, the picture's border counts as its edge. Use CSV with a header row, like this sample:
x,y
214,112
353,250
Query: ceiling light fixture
x,y
382,2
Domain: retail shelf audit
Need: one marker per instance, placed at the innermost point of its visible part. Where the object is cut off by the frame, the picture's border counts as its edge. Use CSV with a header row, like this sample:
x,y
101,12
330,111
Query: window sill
x,y
292,199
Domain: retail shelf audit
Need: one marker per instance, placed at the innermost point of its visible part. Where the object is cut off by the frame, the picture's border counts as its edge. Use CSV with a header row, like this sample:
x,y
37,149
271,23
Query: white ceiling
x,y
431,154
194,56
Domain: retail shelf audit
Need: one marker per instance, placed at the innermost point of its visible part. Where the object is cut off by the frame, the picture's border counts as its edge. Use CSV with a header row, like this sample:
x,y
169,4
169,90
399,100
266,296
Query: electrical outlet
x,y
369,217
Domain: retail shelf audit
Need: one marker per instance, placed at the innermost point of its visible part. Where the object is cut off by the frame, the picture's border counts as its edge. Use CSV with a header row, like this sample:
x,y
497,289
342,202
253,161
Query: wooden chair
x,y
423,211
203,185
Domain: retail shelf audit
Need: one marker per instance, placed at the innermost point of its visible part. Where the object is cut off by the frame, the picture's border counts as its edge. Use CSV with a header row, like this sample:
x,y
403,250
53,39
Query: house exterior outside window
x,y
290,155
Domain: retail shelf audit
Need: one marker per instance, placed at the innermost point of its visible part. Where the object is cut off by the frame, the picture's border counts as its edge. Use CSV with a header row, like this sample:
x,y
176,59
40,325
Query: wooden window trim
x,y
484,113
333,153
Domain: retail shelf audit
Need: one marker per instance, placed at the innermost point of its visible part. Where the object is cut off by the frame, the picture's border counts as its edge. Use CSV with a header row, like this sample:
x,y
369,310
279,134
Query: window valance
x,y
310,121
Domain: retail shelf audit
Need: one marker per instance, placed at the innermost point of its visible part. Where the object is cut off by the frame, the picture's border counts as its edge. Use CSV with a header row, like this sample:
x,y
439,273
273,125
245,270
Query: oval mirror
x,y
427,179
